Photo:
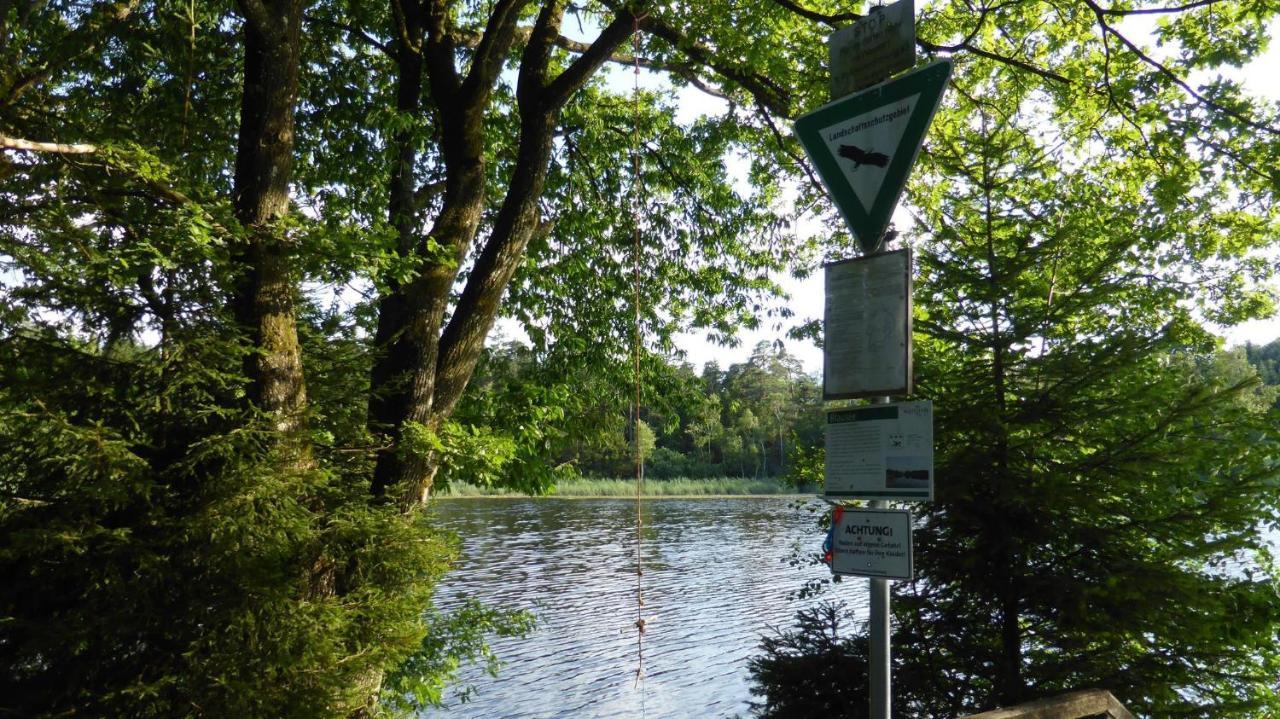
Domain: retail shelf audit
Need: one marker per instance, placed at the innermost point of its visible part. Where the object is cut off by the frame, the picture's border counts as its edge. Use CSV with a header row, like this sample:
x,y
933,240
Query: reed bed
x,y
623,487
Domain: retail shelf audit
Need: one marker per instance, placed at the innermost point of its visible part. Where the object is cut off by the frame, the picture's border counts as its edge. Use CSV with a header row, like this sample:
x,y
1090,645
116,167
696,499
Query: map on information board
x,y
881,451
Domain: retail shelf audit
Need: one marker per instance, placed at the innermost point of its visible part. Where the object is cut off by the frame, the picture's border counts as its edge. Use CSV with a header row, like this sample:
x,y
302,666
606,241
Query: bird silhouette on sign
x,y
862,157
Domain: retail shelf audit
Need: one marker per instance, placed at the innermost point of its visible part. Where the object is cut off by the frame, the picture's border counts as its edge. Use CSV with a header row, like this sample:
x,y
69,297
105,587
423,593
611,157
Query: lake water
x,y
717,575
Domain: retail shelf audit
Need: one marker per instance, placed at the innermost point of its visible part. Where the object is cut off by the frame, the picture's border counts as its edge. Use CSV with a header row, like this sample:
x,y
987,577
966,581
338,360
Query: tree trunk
x,y
423,366
1010,686
265,296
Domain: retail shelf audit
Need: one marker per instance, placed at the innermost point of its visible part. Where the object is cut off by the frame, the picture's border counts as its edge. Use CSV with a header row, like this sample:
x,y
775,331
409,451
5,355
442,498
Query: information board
x,y
872,543
881,451
867,327
874,47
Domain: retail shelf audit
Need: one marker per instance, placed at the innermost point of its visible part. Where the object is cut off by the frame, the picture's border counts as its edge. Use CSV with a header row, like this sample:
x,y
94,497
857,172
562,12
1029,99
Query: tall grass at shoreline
x,y
621,487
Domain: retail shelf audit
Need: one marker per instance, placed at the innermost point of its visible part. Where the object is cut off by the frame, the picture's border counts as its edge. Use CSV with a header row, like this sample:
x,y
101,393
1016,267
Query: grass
x,y
679,487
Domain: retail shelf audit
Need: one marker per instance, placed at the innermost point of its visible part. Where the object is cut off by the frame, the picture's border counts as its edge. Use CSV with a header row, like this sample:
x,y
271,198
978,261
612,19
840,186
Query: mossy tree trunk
x,y
265,296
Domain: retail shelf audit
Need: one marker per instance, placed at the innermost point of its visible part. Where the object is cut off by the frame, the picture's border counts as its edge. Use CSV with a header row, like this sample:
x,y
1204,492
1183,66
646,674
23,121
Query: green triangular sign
x,y
863,146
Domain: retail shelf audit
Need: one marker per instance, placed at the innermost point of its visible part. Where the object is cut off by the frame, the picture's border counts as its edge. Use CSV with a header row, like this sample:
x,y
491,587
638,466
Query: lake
x,y
717,575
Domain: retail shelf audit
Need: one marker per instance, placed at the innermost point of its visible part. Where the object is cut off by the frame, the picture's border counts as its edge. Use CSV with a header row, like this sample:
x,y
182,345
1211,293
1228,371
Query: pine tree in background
x,y
1106,479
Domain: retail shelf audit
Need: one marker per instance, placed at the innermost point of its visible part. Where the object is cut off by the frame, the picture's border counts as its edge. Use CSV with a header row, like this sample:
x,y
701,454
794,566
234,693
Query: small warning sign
x,y
871,543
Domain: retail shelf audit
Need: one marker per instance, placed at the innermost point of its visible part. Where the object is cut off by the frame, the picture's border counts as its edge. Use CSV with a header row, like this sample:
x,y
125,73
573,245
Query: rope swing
x,y
636,343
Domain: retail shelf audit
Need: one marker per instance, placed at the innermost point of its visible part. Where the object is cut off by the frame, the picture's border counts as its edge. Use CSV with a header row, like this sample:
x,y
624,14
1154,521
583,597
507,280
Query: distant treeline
x,y
755,419
1265,359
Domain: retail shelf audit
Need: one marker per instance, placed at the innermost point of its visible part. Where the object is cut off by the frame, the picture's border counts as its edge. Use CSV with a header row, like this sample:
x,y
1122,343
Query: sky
x,y
806,297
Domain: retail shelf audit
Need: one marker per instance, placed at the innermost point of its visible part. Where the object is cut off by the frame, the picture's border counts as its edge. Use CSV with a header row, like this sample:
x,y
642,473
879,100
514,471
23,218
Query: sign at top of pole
x,y
874,47
863,146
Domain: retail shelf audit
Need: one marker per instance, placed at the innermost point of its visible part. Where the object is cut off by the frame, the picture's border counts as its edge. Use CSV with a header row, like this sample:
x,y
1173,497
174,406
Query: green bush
x,y
163,557
816,669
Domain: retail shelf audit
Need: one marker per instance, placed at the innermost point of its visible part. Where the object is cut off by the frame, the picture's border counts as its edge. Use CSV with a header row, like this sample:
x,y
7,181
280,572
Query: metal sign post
x,y
863,146
879,672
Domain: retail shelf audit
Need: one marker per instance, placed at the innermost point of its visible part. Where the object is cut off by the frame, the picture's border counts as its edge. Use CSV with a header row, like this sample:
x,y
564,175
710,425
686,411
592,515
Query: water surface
x,y
717,574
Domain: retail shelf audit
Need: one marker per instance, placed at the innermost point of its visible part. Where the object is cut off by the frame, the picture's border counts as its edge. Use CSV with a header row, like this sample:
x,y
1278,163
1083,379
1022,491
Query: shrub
x,y
816,669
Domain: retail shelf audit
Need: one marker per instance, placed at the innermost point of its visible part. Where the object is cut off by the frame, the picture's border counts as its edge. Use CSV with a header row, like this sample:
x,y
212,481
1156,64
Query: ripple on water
x,y
716,577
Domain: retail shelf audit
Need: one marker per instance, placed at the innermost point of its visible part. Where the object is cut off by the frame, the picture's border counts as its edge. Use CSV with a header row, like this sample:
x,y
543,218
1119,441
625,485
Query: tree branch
x,y
832,21
578,47
112,159
256,13
766,91
439,51
576,75
1013,62
498,35
80,41
1101,12
427,192
795,157
14,143
536,60
352,31
1159,10
471,39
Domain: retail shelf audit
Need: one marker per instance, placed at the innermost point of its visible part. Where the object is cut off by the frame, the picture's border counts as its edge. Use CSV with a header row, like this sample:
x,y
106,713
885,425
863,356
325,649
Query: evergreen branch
x,y
114,159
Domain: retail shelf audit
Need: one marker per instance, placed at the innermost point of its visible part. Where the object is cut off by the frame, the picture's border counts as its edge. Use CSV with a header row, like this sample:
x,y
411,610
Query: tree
x,y
200,213
1266,360
814,669
1093,445
184,184
704,425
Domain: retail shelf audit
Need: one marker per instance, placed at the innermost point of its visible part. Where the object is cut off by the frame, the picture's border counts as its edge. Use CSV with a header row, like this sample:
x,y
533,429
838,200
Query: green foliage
x,y
1099,462
473,452
575,487
1082,209
815,669
562,419
160,555
453,639
1265,359
806,466
642,440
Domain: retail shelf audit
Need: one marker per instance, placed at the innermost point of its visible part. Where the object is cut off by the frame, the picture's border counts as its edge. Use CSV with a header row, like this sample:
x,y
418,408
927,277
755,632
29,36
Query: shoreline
x,y
789,495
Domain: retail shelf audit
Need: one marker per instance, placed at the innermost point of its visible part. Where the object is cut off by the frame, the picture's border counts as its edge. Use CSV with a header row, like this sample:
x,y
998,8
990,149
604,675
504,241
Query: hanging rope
x,y
636,340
